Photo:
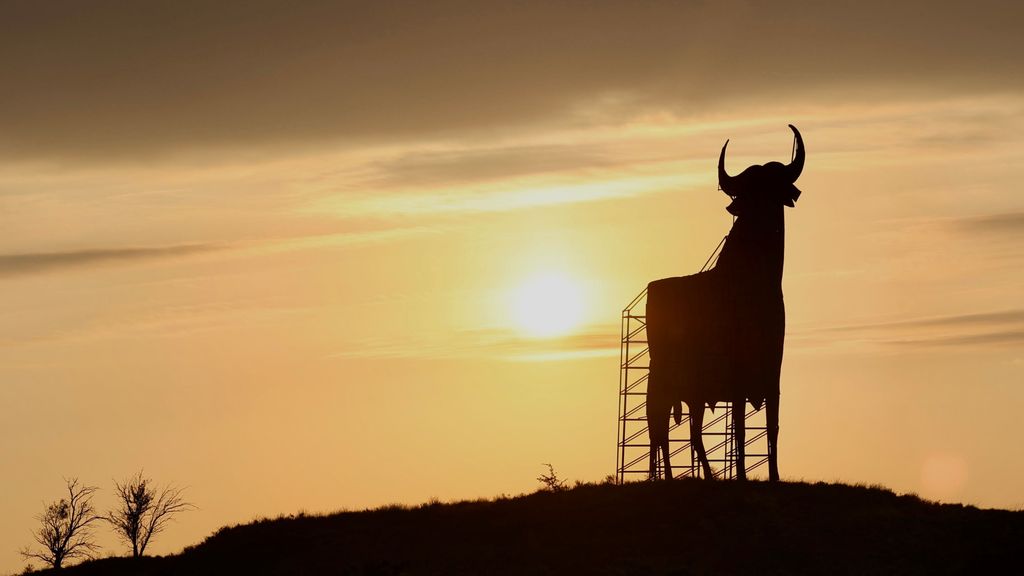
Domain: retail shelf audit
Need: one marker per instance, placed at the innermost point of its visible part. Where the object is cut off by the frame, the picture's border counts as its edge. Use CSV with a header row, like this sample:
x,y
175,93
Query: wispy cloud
x,y
342,239
983,329
497,197
1005,223
978,319
43,262
458,166
37,262
169,321
188,320
594,341
1006,337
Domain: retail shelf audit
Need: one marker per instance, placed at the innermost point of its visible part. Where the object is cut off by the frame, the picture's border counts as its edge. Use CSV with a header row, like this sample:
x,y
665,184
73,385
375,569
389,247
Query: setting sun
x,y
547,305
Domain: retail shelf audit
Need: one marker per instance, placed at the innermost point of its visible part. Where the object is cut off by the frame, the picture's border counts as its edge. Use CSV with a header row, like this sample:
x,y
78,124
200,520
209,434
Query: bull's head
x,y
763,185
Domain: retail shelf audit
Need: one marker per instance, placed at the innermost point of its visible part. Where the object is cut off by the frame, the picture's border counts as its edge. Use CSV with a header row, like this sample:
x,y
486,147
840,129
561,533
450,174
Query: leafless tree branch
x,y
65,530
144,510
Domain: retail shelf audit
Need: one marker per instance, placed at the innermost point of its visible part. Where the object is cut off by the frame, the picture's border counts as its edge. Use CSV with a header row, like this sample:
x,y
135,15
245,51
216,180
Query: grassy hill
x,y
682,527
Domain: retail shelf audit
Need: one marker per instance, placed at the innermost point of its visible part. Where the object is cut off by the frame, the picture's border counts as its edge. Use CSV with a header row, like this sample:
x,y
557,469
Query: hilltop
x,y
682,527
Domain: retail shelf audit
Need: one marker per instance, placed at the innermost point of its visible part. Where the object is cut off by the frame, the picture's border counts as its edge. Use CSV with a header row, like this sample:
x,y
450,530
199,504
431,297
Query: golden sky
x,y
285,255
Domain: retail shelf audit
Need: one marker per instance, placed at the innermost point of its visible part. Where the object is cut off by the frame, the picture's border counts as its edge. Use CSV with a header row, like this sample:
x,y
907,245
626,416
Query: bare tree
x,y
65,530
551,481
143,510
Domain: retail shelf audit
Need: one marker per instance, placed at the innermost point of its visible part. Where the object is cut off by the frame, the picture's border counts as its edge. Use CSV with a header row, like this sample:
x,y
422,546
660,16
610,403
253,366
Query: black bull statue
x,y
717,336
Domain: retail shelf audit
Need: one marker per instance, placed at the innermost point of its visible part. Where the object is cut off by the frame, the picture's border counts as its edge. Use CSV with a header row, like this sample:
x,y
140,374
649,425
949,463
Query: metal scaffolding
x,y
633,445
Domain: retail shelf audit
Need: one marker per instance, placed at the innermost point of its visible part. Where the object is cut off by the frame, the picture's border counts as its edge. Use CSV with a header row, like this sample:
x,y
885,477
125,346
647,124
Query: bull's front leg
x,y
772,422
664,459
657,431
653,475
739,427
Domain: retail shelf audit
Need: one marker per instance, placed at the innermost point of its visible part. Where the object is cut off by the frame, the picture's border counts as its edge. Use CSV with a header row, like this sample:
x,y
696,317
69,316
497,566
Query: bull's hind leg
x,y
772,421
653,474
655,442
739,429
657,433
665,458
697,437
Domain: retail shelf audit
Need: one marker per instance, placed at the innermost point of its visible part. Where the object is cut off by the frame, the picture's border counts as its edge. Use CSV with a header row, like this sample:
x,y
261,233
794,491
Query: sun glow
x,y
548,305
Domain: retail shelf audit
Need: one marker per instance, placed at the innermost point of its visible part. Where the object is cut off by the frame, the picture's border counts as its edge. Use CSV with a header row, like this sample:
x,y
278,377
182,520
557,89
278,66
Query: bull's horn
x,y
797,165
724,180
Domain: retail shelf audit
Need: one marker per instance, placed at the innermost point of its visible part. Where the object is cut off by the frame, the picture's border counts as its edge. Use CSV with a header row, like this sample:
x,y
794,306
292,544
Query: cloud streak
x,y
39,262
1005,223
975,330
594,341
12,265
455,167
496,197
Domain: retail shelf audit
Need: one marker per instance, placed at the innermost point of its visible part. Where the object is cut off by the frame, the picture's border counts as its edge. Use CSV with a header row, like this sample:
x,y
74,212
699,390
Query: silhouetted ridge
x,y
681,527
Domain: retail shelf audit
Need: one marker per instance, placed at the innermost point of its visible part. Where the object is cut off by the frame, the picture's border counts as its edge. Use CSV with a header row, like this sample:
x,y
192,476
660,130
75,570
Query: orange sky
x,y
278,254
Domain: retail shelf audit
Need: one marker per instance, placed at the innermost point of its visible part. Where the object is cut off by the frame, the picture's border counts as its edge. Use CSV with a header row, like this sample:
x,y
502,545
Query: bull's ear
x,y
791,195
734,207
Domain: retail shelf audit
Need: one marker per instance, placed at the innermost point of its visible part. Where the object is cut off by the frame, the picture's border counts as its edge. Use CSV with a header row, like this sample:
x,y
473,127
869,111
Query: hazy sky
x,y
279,253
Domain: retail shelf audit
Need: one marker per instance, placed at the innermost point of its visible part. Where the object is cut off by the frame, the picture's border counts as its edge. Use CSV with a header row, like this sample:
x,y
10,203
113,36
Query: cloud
x,y
496,197
33,263
597,341
1005,223
983,329
168,321
120,79
594,341
186,320
985,339
978,319
342,239
40,262
452,167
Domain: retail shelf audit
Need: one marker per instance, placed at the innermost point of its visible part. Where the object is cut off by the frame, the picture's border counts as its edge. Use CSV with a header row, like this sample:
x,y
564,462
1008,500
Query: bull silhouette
x,y
717,336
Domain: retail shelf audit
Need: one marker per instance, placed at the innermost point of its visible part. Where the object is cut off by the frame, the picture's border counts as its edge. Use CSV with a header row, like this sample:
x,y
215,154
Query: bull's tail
x,y
677,412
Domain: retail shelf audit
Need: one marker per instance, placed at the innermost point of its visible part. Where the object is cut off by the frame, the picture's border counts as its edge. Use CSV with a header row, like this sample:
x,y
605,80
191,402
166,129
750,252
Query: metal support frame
x,y
633,443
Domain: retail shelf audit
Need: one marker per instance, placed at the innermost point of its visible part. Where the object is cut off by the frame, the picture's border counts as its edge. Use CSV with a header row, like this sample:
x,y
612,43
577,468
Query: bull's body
x,y
717,336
